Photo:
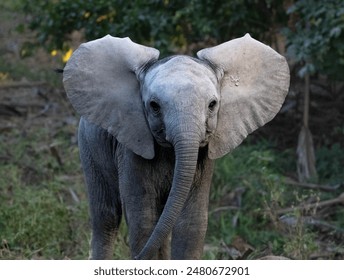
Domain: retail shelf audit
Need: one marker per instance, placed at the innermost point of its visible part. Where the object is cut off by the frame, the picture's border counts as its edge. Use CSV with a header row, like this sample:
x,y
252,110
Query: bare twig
x,y
55,153
46,108
74,195
223,208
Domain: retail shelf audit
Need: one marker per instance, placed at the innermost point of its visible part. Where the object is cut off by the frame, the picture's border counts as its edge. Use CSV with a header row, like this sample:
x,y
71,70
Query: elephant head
x,y
182,102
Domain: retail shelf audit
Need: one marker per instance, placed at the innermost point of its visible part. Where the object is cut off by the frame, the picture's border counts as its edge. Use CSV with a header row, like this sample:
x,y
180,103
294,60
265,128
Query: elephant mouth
x,y
160,137
161,140
203,143
164,143
206,139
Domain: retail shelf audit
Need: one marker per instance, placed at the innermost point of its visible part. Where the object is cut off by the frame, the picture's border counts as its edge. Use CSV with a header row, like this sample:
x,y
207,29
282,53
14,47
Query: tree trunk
x,y
305,149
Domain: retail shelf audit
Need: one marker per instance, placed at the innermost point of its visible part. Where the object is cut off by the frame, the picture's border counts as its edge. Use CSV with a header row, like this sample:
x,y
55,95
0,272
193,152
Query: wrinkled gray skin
x,y
151,130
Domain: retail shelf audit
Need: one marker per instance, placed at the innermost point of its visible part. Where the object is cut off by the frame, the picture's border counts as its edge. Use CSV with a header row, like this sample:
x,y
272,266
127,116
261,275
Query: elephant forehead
x,y
180,74
180,66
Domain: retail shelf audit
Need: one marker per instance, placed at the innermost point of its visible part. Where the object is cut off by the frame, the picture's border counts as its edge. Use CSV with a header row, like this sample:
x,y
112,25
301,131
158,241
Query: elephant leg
x,y
105,212
165,250
102,186
189,232
142,213
142,192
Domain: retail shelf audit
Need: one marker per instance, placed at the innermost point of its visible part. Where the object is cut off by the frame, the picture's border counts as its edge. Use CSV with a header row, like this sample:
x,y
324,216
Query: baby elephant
x,y
151,129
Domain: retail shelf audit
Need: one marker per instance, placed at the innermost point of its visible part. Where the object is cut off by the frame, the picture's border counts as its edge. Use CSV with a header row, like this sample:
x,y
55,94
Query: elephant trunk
x,y
186,152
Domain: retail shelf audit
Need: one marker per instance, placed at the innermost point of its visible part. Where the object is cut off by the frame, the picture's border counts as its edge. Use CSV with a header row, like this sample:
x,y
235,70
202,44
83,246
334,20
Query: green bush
x,y
167,25
248,192
330,161
316,37
253,170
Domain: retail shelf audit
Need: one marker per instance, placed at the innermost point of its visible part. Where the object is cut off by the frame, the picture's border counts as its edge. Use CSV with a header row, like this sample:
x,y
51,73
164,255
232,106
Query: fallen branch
x,y
327,251
330,202
26,104
290,181
22,84
310,221
273,257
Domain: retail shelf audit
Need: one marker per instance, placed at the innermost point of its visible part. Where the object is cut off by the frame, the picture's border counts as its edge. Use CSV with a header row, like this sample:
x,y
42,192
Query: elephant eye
x,y
155,107
212,105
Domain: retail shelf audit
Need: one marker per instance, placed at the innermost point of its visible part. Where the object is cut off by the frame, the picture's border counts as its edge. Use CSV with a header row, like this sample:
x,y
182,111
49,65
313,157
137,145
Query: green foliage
x,y
42,227
254,169
167,25
316,36
9,72
39,218
43,205
330,161
301,241
248,192
11,5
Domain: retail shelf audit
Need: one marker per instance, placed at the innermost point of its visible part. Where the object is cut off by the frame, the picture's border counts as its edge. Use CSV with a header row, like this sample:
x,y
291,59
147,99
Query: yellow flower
x,y
66,56
3,76
53,53
101,18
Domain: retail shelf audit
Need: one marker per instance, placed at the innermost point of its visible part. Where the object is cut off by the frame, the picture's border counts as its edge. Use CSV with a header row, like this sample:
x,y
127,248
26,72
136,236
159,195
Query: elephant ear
x,y
101,82
253,87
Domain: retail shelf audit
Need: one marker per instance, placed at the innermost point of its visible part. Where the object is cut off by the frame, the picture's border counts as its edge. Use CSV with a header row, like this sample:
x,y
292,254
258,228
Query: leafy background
x,y
263,203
